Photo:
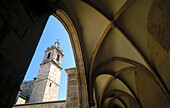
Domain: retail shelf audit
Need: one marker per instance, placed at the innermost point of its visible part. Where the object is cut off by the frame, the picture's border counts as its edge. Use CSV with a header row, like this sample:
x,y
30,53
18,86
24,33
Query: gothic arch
x,y
118,94
63,17
130,68
123,82
115,104
137,67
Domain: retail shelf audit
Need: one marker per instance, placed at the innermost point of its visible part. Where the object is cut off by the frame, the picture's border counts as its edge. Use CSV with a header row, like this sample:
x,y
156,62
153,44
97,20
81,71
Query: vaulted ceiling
x,y
122,47
121,56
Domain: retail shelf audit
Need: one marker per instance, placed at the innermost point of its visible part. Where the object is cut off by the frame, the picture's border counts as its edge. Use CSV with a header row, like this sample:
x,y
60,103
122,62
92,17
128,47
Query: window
x,y
50,84
48,55
58,56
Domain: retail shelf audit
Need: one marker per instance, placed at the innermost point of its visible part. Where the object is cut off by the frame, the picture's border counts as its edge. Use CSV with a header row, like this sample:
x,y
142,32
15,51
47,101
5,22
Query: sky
x,y
53,30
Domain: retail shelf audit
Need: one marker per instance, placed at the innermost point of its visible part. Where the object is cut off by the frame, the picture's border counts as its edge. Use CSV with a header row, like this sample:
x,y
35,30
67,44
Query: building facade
x,y
45,86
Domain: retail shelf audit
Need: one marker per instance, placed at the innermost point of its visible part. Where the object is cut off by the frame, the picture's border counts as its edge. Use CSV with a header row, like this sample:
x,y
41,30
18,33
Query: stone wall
x,y
51,91
20,101
27,87
52,104
46,86
72,100
38,91
21,25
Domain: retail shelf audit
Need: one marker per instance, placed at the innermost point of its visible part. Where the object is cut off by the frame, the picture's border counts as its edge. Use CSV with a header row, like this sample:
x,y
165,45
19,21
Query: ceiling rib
x,y
122,102
91,4
132,91
134,46
152,69
123,8
120,11
107,103
109,26
114,98
137,67
112,78
110,100
101,93
119,93
122,59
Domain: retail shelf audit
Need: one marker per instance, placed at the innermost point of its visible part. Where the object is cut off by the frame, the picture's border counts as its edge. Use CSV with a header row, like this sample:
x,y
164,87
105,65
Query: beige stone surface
x,y
20,101
73,99
54,104
27,87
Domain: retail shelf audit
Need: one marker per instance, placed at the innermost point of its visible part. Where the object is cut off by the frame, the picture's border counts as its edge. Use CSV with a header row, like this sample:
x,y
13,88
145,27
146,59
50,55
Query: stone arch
x,y
136,66
113,102
124,83
118,94
63,17
116,102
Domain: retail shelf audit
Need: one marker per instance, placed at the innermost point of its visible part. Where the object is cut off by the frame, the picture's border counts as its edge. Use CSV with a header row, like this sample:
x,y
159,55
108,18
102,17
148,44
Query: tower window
x,y
48,55
58,57
50,84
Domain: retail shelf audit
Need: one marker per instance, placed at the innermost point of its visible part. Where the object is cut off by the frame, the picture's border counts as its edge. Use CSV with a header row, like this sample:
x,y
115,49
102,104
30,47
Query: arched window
x,y
58,56
48,55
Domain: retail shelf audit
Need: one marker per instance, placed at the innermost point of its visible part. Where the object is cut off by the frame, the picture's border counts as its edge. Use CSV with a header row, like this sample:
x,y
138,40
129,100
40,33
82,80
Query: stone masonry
x,y
72,100
27,87
46,86
51,104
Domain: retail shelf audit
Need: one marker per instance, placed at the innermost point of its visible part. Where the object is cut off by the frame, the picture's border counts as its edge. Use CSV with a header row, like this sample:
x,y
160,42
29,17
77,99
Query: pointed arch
x,y
100,69
115,104
63,17
119,93
123,82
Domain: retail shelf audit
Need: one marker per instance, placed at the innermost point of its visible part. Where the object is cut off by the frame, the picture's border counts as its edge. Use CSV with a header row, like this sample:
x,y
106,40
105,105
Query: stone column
x,y
72,100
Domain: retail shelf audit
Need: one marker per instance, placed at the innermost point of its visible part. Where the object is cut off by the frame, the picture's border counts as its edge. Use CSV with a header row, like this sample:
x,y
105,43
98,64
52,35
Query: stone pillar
x,y
72,100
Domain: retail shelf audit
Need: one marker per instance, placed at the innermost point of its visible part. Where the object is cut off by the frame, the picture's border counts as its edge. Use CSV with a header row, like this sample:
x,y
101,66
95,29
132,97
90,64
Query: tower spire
x,y
57,44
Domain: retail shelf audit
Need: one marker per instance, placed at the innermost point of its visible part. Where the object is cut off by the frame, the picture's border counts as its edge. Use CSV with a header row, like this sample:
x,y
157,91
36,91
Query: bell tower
x,y
47,83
